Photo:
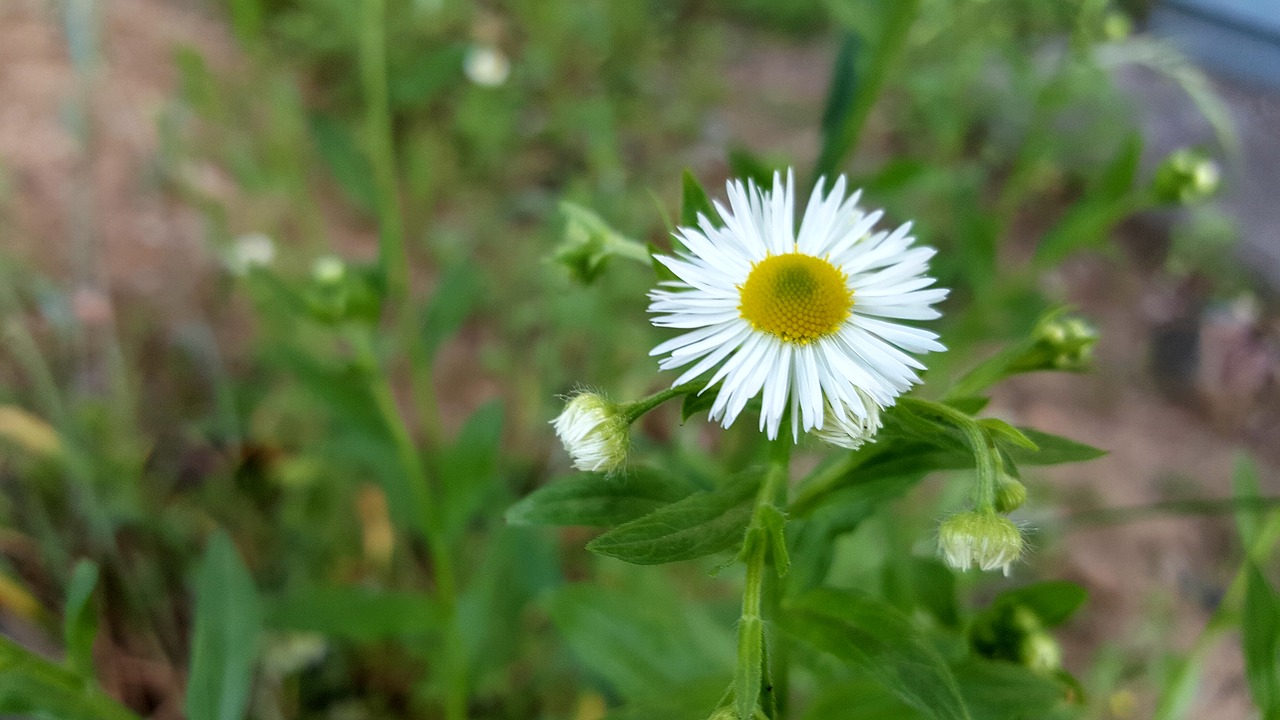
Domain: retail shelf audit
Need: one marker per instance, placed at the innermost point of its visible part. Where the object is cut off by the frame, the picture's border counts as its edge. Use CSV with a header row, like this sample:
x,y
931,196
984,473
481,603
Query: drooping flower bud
x,y
594,433
851,431
979,539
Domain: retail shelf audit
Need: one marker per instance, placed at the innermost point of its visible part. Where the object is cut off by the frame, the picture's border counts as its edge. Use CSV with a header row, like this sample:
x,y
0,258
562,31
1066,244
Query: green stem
x,y
984,489
632,411
751,637
429,522
382,159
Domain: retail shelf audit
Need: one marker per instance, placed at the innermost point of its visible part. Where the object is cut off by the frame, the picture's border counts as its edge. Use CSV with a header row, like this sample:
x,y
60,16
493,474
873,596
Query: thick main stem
x,y
751,639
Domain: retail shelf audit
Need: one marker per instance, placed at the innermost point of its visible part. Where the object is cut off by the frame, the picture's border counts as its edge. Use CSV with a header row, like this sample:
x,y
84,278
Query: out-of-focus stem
x,y
429,522
382,159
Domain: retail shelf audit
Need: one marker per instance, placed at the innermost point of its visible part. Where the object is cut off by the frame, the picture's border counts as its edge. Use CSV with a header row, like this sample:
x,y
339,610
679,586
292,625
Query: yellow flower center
x,y
798,298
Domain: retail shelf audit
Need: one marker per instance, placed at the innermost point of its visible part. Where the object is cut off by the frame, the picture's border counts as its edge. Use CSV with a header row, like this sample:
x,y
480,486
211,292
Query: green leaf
x,y
924,583
598,500
1260,630
31,686
455,296
858,699
355,613
746,165
701,524
1244,481
694,201
641,639
224,643
877,639
1012,436
345,160
1053,450
1005,691
1117,178
841,94
80,625
1053,601
1086,225
694,403
971,405
246,21
468,470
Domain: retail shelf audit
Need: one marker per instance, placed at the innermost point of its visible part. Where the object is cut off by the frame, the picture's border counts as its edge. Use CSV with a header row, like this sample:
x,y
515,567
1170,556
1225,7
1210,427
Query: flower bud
x,y
1010,494
486,65
1039,651
328,270
1064,343
982,539
589,243
851,431
1186,177
594,433
250,252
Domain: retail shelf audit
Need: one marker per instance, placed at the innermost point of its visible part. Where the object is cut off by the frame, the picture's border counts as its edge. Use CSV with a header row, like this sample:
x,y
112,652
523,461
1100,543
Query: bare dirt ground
x,y
141,245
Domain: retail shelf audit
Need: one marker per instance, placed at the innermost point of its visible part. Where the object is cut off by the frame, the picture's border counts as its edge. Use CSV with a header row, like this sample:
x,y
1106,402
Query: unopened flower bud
x,y
852,430
1186,177
589,243
1065,343
594,433
328,270
249,252
486,65
979,539
1039,651
1010,494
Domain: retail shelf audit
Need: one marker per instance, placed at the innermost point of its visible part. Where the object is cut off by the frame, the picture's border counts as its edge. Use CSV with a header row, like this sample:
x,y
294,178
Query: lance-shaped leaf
x,y
701,524
598,500
877,639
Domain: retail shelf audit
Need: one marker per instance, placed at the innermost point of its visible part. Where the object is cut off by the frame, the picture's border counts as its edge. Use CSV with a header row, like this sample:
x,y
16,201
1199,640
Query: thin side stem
x,y
634,410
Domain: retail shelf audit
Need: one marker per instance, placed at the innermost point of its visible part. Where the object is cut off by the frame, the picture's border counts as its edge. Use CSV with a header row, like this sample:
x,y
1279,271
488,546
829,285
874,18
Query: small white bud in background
x,y
486,65
253,250
594,433
328,269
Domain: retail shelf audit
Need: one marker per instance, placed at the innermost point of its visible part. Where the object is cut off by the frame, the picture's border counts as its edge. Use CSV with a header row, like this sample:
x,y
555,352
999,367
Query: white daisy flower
x,y
804,319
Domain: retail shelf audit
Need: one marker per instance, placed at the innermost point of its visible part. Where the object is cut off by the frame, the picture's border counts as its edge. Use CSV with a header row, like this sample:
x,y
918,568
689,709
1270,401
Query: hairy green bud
x,y
980,539
594,433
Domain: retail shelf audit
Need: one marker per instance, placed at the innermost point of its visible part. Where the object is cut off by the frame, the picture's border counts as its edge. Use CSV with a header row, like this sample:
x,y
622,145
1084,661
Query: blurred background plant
x,y
271,376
